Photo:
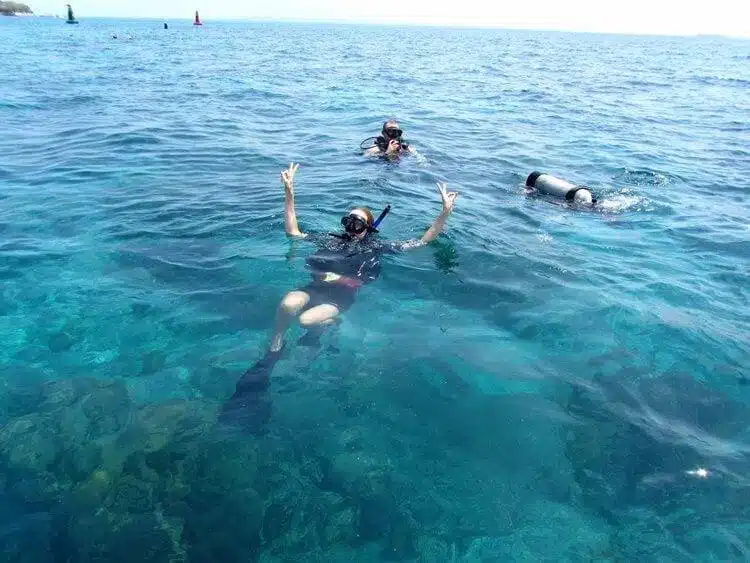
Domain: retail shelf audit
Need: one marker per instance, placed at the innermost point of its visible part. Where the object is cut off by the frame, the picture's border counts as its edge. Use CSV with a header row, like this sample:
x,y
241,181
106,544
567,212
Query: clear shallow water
x,y
536,386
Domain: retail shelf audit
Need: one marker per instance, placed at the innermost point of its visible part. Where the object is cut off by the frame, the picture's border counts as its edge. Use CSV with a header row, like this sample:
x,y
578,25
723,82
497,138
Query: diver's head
x,y
358,222
392,130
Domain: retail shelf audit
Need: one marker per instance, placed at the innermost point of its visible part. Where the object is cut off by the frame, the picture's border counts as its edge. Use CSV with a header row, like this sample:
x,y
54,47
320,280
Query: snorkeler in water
x,y
343,263
389,143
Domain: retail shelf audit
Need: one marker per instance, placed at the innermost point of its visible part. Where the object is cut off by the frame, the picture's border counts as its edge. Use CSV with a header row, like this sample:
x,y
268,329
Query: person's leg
x,y
290,306
320,315
324,310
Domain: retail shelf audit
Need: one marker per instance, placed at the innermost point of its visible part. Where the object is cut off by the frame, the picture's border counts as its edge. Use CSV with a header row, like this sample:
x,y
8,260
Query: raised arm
x,y
290,215
449,199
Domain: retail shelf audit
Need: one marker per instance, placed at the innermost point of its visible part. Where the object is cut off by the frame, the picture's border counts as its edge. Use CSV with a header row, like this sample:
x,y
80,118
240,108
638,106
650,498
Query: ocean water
x,y
543,383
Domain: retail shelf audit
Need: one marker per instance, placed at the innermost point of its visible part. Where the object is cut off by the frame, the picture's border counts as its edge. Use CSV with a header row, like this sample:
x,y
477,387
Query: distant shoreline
x,y
15,9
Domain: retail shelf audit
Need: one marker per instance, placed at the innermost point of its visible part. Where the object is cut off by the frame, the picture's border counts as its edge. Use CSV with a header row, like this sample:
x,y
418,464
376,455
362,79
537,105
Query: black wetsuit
x,y
382,144
340,267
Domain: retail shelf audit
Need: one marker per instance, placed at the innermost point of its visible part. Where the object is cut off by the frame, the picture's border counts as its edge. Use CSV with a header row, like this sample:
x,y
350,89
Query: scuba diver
x,y
389,143
343,263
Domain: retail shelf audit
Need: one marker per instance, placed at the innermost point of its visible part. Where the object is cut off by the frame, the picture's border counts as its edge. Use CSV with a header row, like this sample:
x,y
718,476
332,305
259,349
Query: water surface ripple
x,y
543,383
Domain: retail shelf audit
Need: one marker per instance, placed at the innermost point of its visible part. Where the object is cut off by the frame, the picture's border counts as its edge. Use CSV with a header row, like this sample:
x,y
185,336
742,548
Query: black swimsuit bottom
x,y
322,293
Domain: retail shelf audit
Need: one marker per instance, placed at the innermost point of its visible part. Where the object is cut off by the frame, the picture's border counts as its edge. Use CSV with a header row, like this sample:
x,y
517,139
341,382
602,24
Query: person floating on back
x,y
389,143
343,264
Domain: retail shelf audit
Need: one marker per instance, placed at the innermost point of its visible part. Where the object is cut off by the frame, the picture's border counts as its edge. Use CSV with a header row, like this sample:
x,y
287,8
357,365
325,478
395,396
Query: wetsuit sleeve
x,y
393,247
319,239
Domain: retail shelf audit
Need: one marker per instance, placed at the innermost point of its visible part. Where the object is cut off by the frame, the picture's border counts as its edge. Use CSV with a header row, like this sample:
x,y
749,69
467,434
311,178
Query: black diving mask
x,y
393,133
354,224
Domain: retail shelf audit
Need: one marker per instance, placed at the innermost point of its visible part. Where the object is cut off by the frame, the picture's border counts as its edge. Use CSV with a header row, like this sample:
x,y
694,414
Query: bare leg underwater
x,y
250,406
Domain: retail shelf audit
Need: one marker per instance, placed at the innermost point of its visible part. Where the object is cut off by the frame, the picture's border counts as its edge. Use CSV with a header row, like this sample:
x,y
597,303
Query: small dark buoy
x,y
71,17
166,26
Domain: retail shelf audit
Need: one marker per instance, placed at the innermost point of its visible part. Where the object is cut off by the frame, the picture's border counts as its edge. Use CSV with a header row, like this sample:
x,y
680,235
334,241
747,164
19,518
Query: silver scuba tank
x,y
553,186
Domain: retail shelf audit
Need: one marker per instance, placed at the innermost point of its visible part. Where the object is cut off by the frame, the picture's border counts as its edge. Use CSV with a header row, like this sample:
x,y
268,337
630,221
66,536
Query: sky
x,y
663,17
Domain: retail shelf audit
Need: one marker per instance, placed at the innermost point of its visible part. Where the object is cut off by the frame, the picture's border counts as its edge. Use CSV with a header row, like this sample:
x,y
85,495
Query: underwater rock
x,y
91,492
128,485
78,461
435,549
381,519
291,530
60,342
215,382
277,521
121,538
18,399
28,444
642,536
35,489
565,537
300,522
140,309
637,438
28,539
107,409
366,477
340,520
729,541
46,454
153,361
555,531
177,423
28,451
131,495
60,393
494,549
360,473
234,519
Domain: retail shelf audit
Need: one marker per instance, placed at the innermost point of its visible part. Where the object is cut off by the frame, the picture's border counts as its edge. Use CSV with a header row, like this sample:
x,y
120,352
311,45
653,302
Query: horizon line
x,y
404,24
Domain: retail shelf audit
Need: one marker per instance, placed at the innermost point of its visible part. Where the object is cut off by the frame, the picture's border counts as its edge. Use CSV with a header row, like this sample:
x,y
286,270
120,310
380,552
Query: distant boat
x,y
71,17
197,19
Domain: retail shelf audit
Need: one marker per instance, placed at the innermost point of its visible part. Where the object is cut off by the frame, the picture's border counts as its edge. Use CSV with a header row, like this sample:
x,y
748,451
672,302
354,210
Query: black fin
x,y
249,407
311,339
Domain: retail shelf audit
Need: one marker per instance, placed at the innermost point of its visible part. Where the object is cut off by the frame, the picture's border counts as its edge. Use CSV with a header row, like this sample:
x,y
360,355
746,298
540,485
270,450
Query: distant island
x,y
13,8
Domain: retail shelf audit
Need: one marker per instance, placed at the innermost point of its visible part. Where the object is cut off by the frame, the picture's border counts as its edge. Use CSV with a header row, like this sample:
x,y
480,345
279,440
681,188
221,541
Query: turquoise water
x,y
543,383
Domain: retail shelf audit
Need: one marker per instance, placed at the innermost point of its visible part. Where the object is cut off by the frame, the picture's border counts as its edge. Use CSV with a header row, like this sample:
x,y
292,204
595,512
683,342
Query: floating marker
x,y
71,17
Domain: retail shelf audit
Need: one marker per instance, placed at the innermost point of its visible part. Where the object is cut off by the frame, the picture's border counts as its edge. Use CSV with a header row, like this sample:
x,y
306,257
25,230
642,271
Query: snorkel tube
x,y
374,227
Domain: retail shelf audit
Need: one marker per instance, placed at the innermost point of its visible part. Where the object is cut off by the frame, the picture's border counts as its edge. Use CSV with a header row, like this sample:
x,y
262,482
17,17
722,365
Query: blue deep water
x,y
542,383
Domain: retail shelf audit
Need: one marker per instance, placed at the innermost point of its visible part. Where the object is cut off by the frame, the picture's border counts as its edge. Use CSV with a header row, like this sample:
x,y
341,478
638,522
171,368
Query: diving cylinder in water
x,y
550,185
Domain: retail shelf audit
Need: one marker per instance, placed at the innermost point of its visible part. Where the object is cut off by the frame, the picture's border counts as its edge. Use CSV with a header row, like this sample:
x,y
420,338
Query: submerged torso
x,y
355,260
